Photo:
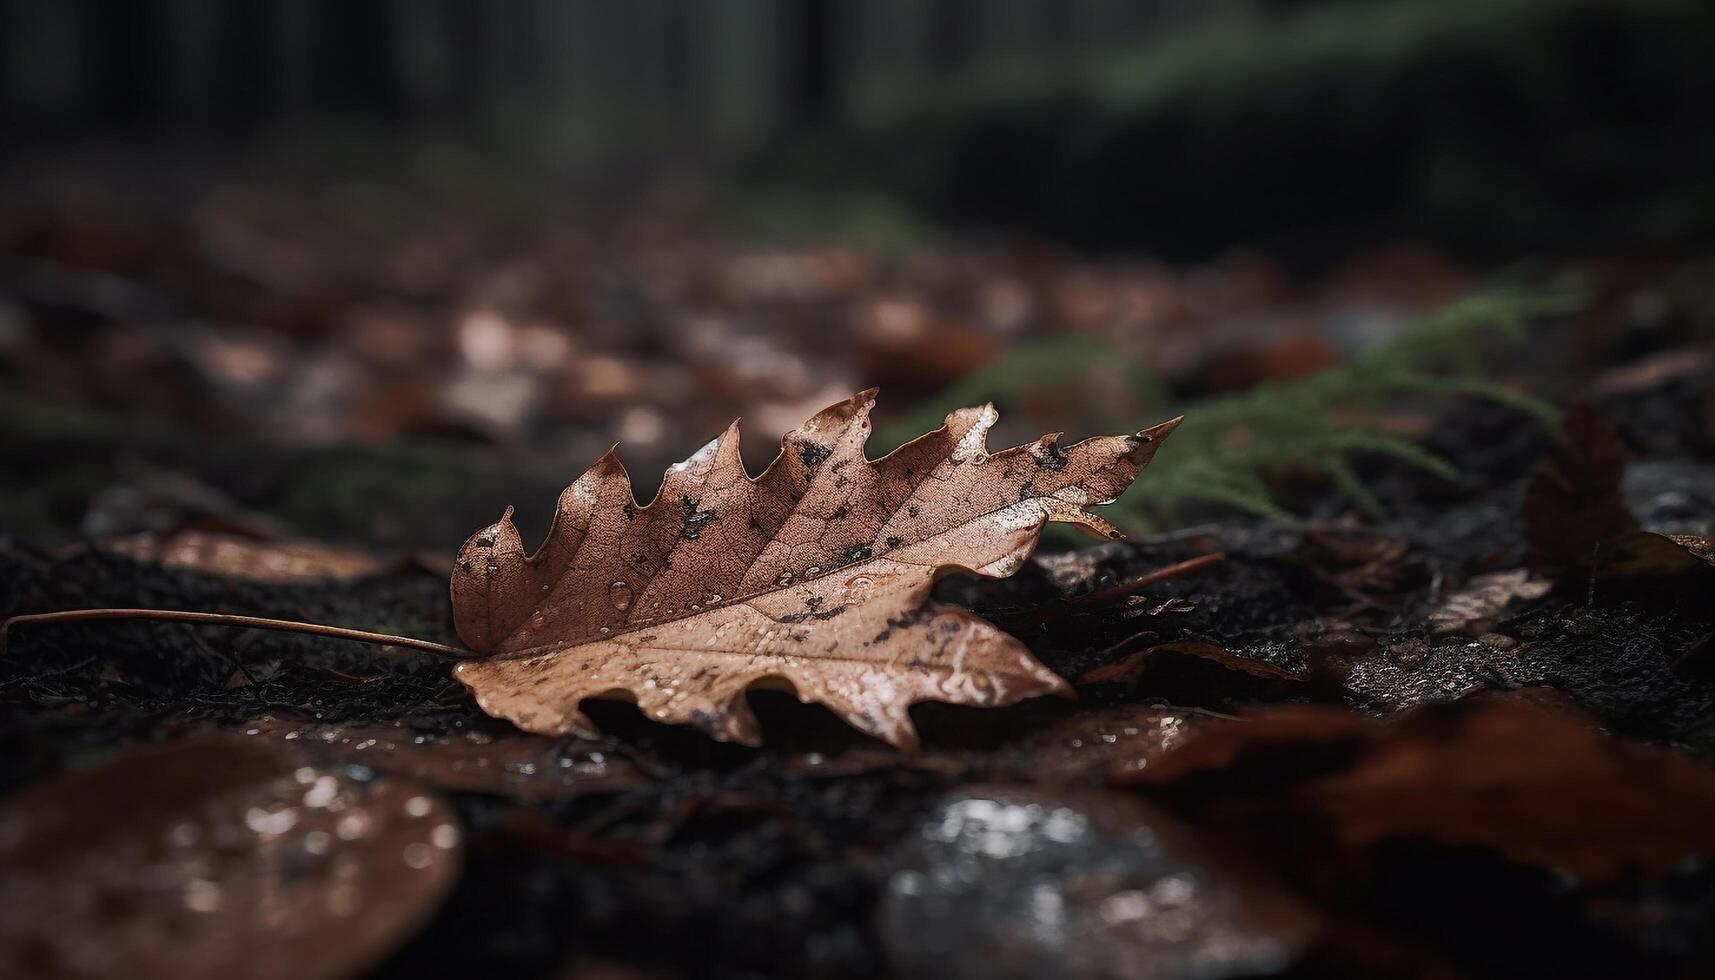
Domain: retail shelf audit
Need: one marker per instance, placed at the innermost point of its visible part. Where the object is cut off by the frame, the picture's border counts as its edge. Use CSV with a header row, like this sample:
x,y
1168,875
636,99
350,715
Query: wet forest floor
x,y
827,854
1471,737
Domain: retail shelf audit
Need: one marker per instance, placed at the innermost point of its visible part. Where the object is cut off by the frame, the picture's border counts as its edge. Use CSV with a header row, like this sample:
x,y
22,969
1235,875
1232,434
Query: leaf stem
x,y
1112,593
230,619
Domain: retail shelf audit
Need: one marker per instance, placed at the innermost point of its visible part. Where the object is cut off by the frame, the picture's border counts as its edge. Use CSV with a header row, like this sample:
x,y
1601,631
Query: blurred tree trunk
x,y
812,63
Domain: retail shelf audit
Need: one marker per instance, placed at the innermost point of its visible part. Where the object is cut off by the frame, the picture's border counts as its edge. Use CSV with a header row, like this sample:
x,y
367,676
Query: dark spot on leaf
x,y
812,613
895,541
1026,491
913,510
813,454
485,542
900,622
858,552
695,520
842,510
1053,457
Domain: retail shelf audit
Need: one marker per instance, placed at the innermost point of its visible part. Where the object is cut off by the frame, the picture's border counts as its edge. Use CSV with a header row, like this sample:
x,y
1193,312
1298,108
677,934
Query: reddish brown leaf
x,y
816,573
1573,502
1536,783
215,858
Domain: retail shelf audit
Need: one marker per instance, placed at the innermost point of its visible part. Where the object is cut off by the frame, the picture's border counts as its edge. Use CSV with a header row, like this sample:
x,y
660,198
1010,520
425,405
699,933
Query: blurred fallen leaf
x,y
1361,565
1573,502
215,858
1537,784
1576,522
248,559
1475,608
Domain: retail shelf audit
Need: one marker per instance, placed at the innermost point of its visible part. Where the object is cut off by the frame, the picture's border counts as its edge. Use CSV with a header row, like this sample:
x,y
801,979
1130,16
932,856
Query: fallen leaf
x,y
1363,566
248,559
816,573
1534,782
1477,607
214,858
1576,521
1539,788
1573,502
1644,555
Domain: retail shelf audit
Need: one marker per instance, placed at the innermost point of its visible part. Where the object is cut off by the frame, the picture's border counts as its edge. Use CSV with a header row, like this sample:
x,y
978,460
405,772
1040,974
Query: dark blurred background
x,y
515,231
1177,127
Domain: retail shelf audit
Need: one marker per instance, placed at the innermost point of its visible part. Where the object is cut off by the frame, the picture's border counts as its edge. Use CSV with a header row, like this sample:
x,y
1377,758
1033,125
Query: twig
x,y
228,619
1102,597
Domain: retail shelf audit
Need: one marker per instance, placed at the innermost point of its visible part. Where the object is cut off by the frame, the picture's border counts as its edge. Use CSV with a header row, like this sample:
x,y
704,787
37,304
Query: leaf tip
x,y
1160,431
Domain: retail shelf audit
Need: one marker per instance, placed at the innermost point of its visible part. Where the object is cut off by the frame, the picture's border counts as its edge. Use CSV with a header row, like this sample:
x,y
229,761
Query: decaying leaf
x,y
1644,556
213,858
816,573
1475,608
1576,521
1573,502
1534,782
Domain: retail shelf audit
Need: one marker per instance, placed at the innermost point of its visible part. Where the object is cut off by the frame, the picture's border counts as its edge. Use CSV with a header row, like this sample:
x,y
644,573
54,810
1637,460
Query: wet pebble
x,y
1012,883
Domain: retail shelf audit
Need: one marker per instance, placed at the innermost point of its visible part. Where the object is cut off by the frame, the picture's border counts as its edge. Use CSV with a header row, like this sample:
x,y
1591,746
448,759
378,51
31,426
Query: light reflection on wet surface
x,y
1012,884
515,764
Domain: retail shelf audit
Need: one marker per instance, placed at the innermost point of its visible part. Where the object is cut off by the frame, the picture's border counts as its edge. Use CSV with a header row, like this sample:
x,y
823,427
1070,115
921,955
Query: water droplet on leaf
x,y
619,593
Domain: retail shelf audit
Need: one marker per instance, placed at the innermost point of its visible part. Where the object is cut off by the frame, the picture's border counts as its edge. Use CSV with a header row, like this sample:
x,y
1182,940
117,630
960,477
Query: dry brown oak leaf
x,y
816,574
